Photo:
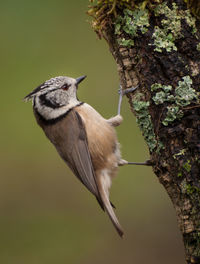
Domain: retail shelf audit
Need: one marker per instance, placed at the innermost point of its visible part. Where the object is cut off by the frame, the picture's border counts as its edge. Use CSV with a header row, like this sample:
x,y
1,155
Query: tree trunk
x,y
156,45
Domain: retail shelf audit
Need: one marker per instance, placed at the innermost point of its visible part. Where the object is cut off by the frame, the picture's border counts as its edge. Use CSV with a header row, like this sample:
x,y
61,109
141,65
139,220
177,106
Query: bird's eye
x,y
65,86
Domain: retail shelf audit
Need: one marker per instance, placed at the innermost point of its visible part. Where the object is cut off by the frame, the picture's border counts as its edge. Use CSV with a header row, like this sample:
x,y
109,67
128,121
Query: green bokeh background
x,y
46,216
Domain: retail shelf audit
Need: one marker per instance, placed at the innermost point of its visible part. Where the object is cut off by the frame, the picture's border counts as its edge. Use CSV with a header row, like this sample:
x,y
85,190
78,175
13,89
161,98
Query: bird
x,y
86,141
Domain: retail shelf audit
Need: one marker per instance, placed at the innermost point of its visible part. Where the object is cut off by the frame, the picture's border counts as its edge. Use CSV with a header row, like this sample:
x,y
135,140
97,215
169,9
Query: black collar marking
x,y
48,103
53,121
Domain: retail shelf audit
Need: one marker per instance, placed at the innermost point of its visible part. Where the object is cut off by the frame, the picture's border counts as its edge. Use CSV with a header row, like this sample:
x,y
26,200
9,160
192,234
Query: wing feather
x,y
70,139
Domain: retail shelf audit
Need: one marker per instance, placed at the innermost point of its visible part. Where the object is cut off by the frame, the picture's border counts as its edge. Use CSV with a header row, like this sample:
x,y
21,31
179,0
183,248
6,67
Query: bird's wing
x,y
74,150
70,139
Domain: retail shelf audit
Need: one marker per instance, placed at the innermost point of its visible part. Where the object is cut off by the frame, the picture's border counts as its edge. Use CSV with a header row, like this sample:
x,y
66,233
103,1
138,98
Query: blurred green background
x,y
46,216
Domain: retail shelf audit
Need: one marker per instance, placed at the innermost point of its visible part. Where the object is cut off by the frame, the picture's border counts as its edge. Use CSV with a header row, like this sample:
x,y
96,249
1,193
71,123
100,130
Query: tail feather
x,y
108,208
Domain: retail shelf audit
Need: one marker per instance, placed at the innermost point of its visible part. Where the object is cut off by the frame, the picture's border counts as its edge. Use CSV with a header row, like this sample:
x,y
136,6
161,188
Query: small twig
x,y
191,107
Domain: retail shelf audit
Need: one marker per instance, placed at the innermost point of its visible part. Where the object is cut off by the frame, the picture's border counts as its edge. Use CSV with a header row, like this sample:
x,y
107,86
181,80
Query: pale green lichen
x,y
160,98
143,119
126,42
191,20
163,96
163,40
198,47
173,113
180,153
157,86
172,22
131,23
183,185
164,37
183,95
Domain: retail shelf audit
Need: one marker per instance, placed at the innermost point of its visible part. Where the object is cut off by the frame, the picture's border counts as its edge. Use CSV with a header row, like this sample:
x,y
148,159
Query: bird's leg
x,y
121,94
146,163
116,120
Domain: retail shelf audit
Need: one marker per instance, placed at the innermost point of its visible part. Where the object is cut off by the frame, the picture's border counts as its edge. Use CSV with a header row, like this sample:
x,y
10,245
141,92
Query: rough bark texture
x,y
166,66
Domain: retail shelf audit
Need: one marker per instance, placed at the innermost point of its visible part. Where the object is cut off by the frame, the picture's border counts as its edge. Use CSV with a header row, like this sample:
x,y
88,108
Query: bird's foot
x,y
121,94
126,91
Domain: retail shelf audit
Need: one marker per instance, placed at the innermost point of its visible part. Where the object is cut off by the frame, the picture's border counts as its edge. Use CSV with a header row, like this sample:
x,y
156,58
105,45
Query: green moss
x,y
106,11
143,119
179,174
131,23
164,37
183,95
198,47
187,166
190,189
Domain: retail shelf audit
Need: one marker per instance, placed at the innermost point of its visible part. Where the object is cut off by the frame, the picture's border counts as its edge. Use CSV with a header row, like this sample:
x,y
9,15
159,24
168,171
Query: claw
x,y
126,91
122,93
146,163
130,90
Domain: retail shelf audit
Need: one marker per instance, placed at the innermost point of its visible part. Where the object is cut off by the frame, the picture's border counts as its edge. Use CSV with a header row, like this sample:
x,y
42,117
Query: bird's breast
x,y
101,135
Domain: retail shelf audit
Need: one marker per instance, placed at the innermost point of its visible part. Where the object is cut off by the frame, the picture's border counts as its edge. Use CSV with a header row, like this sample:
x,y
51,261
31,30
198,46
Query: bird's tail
x,y
109,209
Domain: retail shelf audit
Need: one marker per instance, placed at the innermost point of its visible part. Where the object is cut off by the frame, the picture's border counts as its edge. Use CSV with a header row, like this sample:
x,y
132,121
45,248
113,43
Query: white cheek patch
x,y
49,113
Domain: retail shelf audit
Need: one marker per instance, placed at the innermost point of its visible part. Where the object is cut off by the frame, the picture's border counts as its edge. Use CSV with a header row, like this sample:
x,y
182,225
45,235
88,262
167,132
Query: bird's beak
x,y
80,79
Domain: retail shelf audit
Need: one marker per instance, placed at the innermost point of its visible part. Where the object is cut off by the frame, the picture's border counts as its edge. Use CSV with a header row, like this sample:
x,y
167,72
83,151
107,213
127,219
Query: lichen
x,y
162,96
180,153
173,113
164,37
131,23
143,119
184,93
198,46
163,40
125,42
190,20
106,11
182,96
172,20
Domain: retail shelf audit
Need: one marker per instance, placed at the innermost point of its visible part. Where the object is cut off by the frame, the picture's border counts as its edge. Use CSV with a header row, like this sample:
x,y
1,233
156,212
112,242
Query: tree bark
x,y
156,45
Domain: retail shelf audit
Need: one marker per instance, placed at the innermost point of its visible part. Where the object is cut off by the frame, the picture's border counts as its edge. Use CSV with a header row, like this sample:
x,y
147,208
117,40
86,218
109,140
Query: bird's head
x,y
59,90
